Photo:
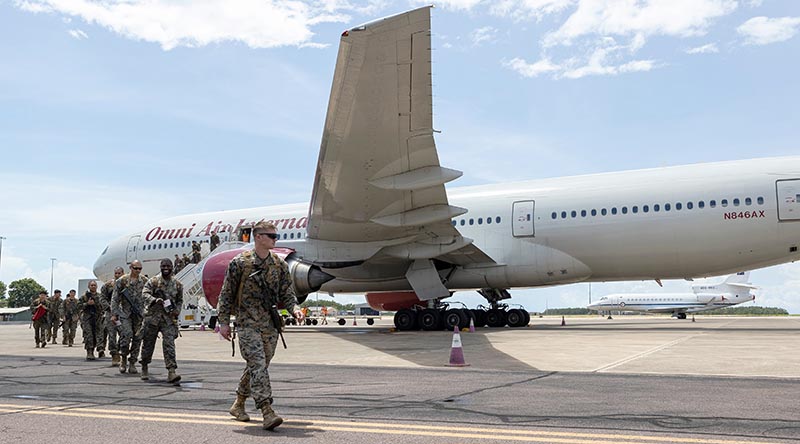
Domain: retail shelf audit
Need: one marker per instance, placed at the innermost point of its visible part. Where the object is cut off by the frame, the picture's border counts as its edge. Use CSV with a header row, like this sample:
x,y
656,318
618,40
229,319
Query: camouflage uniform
x,y
69,313
53,308
90,319
196,253
214,242
109,329
40,325
158,319
130,337
266,283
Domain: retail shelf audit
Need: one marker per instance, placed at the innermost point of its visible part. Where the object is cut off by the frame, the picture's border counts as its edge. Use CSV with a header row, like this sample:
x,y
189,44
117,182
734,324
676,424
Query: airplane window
x,y
678,206
563,214
724,202
583,213
760,200
554,215
624,210
635,209
284,235
291,235
594,212
488,220
603,212
701,204
454,222
472,221
159,246
748,201
645,208
497,219
463,222
689,205
712,203
667,207
573,213
614,210
480,221
736,202
170,244
656,208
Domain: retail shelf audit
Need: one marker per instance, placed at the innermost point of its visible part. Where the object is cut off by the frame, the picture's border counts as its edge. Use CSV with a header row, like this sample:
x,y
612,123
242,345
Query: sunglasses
x,y
273,236
136,268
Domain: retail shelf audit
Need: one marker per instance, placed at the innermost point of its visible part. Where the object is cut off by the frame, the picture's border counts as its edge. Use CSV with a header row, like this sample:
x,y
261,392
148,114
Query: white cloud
x,y
765,30
526,9
78,34
483,35
460,5
258,24
705,49
755,3
526,69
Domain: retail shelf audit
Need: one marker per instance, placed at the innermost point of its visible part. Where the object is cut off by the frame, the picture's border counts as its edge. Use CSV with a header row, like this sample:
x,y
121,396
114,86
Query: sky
x,y
114,114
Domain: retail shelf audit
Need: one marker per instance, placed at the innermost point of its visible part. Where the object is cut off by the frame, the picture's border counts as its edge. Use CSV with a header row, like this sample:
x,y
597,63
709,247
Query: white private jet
x,y
381,222
732,291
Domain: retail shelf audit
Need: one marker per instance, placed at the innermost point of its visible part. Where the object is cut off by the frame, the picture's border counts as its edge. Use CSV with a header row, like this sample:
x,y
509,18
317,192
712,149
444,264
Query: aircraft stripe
x,y
372,427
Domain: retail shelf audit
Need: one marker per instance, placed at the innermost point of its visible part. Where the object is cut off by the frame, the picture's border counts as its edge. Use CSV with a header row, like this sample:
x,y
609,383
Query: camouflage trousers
x,y
70,326
169,332
110,336
90,329
101,335
40,331
52,329
130,337
257,346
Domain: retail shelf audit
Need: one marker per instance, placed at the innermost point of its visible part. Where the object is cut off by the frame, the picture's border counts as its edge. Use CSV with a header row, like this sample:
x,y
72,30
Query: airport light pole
x,y
1,251
52,264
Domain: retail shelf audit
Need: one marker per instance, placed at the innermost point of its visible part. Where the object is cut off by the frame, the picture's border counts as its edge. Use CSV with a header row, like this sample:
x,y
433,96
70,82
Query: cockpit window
x,y
104,251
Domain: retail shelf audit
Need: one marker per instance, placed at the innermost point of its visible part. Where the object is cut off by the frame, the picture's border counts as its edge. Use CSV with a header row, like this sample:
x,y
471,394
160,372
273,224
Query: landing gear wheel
x,y
527,318
341,321
405,320
681,315
479,316
430,319
515,318
455,318
370,321
496,318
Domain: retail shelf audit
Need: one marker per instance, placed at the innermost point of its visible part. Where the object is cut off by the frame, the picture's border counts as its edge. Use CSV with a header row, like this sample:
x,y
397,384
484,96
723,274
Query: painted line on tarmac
x,y
645,353
370,427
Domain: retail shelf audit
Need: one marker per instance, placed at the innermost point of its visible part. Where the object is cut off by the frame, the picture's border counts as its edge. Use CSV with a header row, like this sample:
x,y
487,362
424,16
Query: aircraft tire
x,y
430,319
341,321
405,320
479,316
515,318
527,317
496,318
455,318
370,321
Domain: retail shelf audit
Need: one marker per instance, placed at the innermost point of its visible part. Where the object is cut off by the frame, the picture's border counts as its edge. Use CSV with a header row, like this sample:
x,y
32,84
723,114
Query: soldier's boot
x,y
271,420
89,355
44,343
132,367
172,376
145,375
115,360
101,354
70,342
55,339
37,345
123,364
238,409
64,341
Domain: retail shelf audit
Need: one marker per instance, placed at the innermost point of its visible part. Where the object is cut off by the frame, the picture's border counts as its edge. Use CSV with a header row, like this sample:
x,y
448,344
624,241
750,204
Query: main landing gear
x,y
440,315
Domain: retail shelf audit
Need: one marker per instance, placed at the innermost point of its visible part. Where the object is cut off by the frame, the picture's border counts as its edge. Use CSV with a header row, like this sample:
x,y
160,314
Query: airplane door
x,y
522,218
133,245
788,199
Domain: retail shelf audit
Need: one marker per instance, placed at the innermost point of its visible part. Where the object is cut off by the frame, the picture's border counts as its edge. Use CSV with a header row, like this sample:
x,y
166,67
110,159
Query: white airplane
x,y
732,291
381,222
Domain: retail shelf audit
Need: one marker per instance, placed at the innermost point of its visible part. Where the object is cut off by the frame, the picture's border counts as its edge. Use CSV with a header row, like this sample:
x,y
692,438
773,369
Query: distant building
x,y
15,314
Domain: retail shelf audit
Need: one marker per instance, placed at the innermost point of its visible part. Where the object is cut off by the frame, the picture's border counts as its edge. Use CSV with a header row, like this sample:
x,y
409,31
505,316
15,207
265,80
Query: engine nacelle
x,y
306,278
394,300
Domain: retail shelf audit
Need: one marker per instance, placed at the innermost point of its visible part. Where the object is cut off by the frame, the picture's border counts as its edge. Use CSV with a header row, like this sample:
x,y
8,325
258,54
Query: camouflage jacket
x,y
35,305
53,308
267,283
158,287
69,309
120,306
107,292
88,312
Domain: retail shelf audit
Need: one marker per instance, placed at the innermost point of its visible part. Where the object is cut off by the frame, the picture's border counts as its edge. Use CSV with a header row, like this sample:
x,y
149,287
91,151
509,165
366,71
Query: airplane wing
x,y
378,181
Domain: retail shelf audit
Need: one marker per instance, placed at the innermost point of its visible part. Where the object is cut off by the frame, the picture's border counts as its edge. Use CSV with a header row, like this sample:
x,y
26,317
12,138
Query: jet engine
x,y
306,278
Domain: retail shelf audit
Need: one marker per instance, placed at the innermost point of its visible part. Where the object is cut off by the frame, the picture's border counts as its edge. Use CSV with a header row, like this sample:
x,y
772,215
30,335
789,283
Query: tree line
x,y
20,293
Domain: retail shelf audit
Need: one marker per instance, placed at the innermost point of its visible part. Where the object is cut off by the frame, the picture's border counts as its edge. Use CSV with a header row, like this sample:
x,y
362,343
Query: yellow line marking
x,y
369,427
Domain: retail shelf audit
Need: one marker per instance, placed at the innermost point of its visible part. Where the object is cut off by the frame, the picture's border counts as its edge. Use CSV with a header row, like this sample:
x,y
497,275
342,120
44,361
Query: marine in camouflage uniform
x,y
91,310
53,320
265,281
195,252
130,316
40,325
163,299
69,313
110,331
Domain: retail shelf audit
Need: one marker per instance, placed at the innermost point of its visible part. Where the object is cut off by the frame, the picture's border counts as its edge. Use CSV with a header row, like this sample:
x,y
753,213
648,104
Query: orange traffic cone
x,y
471,325
563,322
354,321
456,351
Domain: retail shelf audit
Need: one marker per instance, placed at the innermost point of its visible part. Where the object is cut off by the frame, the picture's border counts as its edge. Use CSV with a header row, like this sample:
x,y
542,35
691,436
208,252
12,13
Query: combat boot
x,y
89,355
172,376
101,354
132,367
238,409
115,359
123,364
145,376
271,420
64,341
55,339
37,345
44,343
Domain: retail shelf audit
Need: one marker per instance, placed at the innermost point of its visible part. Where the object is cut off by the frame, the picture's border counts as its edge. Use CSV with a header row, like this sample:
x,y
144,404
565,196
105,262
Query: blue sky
x,y
115,114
